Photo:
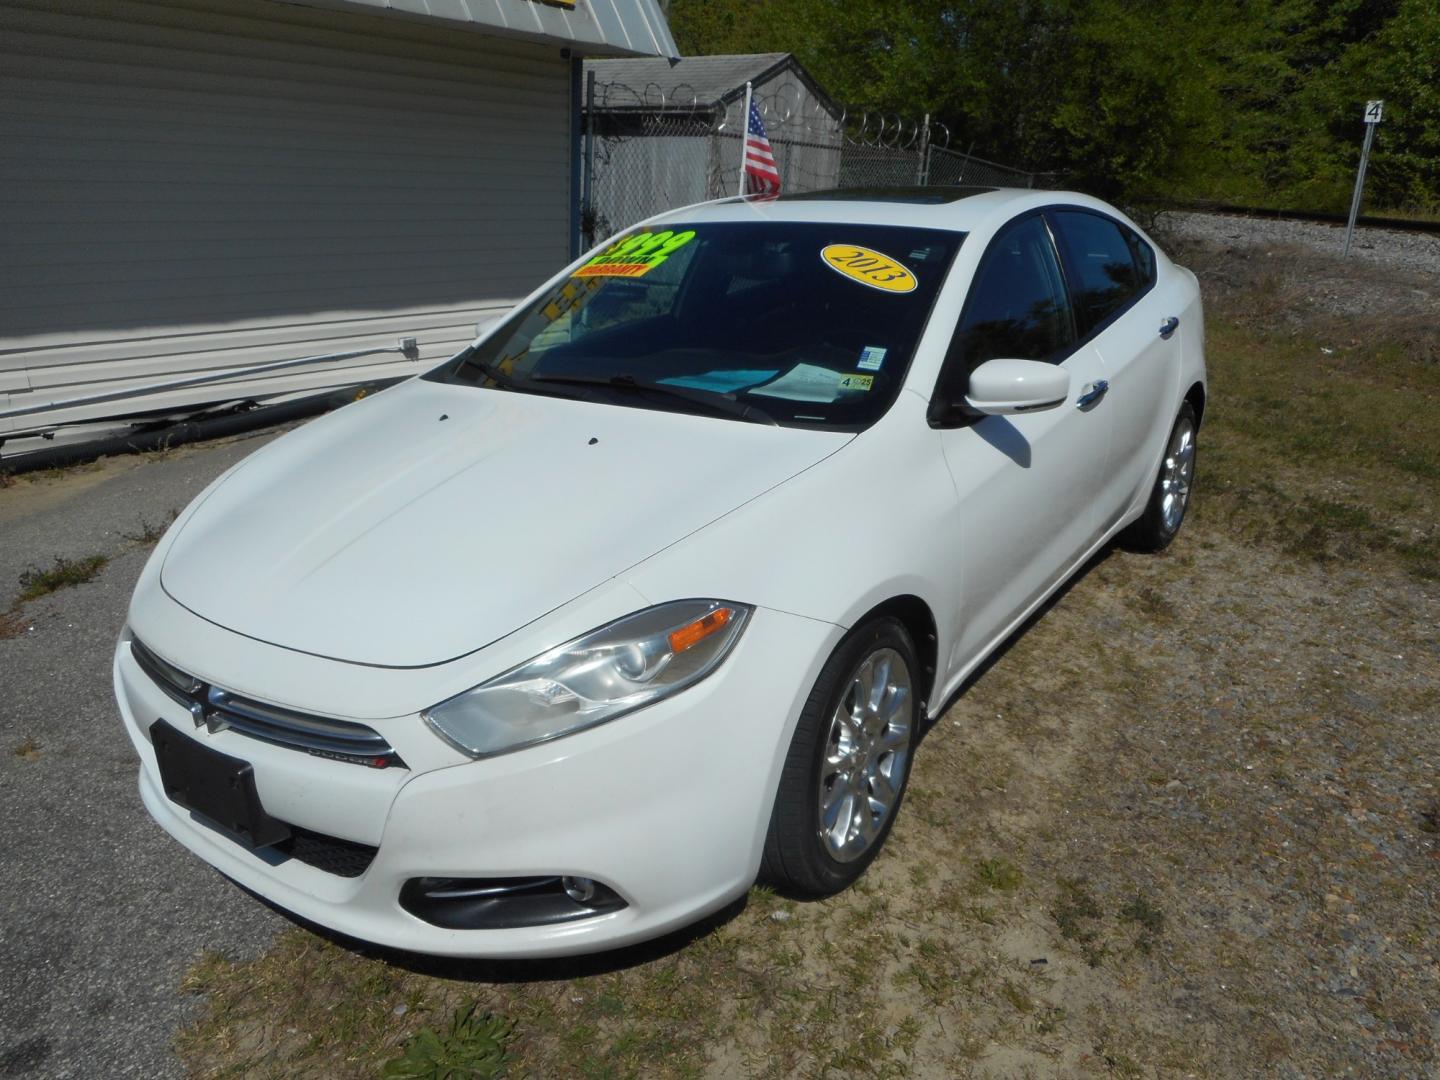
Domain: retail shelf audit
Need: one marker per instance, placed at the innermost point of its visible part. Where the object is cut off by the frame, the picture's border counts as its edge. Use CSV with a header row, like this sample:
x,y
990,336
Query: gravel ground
x,y
101,913
1388,248
1290,274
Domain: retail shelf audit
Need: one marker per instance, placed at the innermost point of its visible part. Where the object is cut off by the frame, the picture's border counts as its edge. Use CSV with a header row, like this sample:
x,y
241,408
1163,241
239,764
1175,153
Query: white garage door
x,y
205,187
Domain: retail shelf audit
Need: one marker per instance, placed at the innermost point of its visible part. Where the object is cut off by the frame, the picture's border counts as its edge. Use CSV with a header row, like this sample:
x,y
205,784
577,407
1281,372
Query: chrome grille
x,y
220,710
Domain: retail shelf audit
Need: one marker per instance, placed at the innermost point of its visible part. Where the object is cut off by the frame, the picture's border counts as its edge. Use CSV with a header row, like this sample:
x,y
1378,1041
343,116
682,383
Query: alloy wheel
x,y
866,753
1175,475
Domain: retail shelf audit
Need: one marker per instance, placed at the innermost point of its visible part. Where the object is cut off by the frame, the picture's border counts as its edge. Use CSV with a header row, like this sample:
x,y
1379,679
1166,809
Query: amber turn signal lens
x,y
692,634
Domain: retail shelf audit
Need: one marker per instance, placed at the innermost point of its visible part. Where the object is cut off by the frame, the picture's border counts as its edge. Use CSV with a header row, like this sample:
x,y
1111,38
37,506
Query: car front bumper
x,y
668,806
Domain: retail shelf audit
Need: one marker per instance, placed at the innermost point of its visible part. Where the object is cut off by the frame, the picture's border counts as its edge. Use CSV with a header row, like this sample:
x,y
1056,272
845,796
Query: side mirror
x,y
1005,386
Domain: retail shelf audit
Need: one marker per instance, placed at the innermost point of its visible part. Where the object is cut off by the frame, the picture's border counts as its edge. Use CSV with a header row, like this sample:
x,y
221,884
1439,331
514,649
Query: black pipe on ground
x,y
188,431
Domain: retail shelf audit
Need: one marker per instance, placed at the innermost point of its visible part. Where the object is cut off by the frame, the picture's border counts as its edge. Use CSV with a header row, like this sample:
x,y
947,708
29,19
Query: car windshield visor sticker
x,y
721,382
868,267
810,382
635,256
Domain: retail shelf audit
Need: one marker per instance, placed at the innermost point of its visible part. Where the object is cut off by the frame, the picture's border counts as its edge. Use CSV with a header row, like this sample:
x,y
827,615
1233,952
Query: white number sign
x,y
1373,111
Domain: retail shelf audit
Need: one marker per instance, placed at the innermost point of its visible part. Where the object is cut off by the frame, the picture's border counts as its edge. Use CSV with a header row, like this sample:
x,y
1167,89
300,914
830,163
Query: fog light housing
x,y
506,903
579,889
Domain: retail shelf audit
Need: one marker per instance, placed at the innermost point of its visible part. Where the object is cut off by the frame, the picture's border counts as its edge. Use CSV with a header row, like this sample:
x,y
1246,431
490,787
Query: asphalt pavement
x,y
101,913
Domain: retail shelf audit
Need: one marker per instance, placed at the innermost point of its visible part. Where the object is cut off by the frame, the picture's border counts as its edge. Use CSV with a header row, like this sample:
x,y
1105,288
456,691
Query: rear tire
x,y
1170,495
849,760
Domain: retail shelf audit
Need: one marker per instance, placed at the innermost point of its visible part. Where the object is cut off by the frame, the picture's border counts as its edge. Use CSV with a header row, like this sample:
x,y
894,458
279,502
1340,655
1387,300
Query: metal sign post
x,y
1374,110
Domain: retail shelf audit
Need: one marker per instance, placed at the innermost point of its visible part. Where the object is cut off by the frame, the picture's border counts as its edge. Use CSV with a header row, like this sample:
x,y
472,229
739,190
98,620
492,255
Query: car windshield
x,y
791,323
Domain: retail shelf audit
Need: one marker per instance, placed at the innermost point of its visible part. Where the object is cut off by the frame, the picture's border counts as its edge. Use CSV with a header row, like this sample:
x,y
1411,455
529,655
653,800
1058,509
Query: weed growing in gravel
x,y
35,583
148,534
29,750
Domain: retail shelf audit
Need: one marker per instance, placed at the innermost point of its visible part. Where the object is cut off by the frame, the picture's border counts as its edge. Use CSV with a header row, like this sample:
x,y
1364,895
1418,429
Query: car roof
x,y
961,209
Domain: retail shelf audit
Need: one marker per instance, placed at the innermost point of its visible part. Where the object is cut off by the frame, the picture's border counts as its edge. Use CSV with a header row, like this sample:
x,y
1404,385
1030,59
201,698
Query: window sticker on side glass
x,y
810,382
635,256
868,267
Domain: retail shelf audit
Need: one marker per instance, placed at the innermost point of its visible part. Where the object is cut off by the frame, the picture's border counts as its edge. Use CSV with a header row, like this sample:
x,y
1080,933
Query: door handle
x,y
1169,325
1093,393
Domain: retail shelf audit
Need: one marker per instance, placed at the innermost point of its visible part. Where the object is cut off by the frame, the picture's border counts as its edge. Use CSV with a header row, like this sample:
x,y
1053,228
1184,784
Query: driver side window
x,y
1017,308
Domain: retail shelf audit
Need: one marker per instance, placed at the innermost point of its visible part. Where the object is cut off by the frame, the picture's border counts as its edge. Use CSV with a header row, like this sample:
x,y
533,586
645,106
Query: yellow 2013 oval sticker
x,y
868,267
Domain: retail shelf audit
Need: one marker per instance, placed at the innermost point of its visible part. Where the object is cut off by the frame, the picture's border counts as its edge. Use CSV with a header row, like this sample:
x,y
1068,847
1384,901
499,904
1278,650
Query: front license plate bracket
x,y
215,787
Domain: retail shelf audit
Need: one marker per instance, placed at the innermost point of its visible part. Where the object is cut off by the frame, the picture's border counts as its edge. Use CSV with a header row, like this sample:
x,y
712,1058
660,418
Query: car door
x,y
1025,482
1124,311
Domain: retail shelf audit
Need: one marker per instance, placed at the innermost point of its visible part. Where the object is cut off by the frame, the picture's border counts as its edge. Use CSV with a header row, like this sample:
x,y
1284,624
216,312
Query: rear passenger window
x,y
1103,276
1144,257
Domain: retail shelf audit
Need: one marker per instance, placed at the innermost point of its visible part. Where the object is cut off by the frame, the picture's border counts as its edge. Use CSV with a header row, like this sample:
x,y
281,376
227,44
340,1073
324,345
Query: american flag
x,y
761,175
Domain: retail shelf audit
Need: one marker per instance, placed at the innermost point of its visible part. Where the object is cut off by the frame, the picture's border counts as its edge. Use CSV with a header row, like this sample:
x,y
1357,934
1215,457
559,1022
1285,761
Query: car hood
x,y
431,520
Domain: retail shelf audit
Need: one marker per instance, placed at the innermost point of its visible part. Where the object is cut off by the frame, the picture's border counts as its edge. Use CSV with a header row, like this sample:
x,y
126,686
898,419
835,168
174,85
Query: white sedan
x,y
652,589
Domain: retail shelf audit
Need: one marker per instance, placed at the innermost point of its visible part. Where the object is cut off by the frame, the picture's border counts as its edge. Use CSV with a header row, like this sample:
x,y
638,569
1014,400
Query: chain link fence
x,y
648,151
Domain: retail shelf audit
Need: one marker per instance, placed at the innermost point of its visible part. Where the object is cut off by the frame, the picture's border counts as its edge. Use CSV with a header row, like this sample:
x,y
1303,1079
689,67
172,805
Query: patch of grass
x,y
934,970
472,1047
35,582
1121,1065
1324,460
1152,602
1148,917
1322,529
1328,454
1049,1020
60,472
1077,913
1017,996
11,624
998,874
7,478
29,750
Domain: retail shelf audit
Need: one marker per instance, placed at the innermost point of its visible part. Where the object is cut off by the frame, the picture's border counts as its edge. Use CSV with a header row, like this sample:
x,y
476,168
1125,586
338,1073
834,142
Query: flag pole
x,y
744,135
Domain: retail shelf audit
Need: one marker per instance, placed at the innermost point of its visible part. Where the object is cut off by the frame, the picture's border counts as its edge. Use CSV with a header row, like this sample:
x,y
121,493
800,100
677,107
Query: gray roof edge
x,y
645,33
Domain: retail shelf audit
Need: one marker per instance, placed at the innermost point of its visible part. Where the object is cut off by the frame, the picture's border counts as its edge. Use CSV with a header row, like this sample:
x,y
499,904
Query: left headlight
x,y
621,667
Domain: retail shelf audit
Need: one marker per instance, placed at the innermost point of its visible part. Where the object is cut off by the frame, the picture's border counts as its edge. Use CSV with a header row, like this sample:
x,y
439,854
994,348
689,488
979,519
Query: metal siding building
x,y
204,186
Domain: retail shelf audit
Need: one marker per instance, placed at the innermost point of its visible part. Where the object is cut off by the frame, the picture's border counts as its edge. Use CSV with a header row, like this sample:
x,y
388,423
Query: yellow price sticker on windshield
x,y
857,382
868,267
635,256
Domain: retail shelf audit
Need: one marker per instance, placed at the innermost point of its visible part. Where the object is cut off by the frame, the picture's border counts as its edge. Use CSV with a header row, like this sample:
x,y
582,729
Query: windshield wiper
x,y
712,400
490,371
513,382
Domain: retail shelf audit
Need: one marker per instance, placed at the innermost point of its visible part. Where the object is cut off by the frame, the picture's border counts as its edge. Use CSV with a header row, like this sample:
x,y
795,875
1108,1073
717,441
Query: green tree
x,y
1243,100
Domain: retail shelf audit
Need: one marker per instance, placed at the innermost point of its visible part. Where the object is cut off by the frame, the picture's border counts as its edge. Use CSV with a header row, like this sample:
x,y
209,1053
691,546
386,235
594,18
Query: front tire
x,y
1170,497
848,763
